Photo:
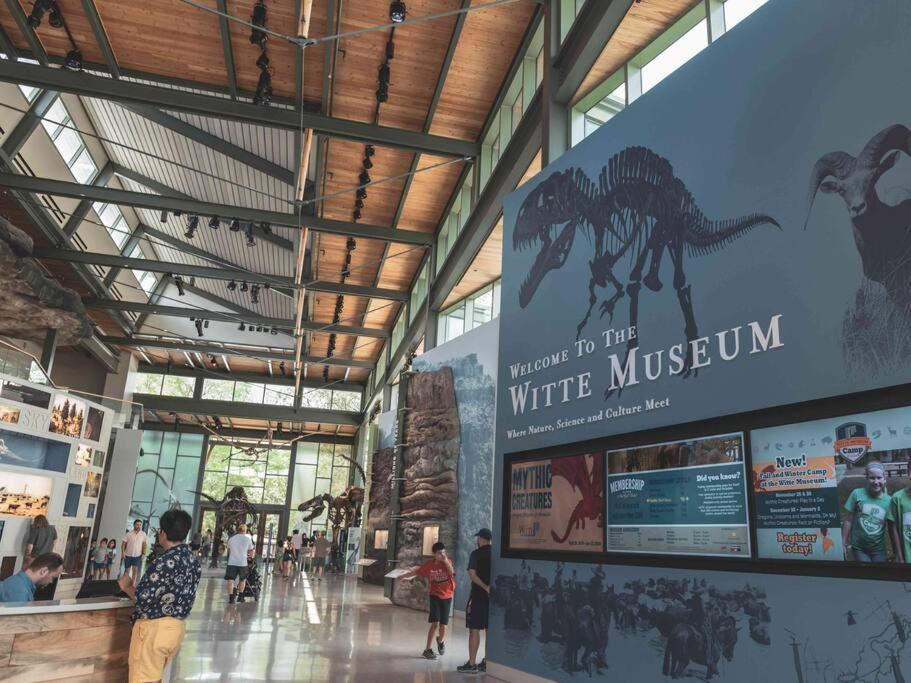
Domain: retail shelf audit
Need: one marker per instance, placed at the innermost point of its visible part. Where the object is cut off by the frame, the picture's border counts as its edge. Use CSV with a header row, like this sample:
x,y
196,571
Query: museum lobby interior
x,y
578,327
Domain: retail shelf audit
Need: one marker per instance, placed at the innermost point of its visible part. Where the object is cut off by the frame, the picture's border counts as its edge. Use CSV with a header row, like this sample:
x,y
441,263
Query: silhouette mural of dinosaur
x,y
639,210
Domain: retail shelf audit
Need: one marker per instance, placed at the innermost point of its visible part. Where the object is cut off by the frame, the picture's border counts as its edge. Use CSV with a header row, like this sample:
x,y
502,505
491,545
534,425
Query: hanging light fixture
x,y
248,231
214,223
192,224
164,216
258,19
397,12
232,286
235,226
73,60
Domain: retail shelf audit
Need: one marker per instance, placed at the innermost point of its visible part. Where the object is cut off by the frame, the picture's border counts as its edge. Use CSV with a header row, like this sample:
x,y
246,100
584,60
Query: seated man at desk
x,y
41,572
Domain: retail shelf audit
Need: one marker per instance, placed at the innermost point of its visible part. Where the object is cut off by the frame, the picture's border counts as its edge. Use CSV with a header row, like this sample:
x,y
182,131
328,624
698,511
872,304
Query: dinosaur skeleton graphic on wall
x,y
637,210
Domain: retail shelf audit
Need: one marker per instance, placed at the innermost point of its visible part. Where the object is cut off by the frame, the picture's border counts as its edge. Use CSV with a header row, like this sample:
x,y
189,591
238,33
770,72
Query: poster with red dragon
x,y
558,504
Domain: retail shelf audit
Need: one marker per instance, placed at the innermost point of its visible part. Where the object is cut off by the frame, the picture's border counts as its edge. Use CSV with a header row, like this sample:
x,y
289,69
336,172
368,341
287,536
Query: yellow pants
x,y
153,644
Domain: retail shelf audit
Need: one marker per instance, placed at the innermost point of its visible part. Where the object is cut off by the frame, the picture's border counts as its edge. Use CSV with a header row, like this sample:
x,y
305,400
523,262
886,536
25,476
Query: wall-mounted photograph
x,y
90,513
22,393
94,421
71,504
83,455
380,539
24,495
98,459
9,414
67,416
25,450
92,485
74,554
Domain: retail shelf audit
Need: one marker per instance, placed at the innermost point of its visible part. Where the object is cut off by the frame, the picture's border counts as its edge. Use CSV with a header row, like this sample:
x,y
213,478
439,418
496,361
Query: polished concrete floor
x,y
334,630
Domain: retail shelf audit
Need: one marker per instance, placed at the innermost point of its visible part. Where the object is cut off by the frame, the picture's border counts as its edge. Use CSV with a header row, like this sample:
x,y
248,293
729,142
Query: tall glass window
x,y
69,142
263,473
166,475
319,470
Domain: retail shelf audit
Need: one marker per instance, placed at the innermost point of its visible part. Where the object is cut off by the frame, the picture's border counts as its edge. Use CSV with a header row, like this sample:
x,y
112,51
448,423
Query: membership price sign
x,y
557,504
684,498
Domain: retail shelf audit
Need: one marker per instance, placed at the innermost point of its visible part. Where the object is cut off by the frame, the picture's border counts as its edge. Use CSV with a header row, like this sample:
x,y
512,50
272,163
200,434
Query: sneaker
x,y
231,599
482,667
241,598
468,668
429,654
441,647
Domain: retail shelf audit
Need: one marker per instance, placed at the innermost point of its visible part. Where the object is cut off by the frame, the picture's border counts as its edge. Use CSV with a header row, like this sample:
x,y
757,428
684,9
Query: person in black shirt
x,y
478,602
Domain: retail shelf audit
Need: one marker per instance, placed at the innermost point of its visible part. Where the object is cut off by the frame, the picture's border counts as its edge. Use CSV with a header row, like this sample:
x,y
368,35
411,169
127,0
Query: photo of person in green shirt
x,y
863,530
899,519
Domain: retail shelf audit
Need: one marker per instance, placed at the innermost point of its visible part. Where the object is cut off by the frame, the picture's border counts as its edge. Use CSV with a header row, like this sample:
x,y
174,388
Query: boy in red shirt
x,y
439,573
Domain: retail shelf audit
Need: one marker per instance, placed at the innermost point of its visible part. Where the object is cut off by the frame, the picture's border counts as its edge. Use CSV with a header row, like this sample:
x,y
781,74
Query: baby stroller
x,y
254,580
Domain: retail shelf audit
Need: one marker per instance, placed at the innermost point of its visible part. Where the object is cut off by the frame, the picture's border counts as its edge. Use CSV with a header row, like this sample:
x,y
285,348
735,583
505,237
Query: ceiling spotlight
x,y
361,193
364,178
232,286
192,224
73,60
217,422
205,323
397,12
248,231
180,290
357,214
266,228
263,61
243,286
164,216
55,19
358,203
259,328
367,163
281,367
382,93
254,296
235,226
258,37
351,244
274,331
213,360
242,327
198,324
214,223
369,151
37,13
263,94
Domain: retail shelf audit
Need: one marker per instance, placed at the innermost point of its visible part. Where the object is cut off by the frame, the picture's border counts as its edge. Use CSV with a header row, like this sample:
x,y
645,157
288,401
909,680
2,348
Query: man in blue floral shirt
x,y
164,598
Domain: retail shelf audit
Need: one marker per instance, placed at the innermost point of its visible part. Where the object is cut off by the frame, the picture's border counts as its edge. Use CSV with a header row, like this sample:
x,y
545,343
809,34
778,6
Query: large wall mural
x,y
738,239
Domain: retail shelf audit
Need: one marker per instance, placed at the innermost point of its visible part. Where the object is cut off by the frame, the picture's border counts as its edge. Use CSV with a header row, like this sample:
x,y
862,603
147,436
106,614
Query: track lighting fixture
x,y
390,49
37,13
351,244
266,228
235,226
361,193
213,360
248,231
382,90
281,368
258,19
242,327
369,151
198,324
357,214
274,331
192,224
214,223
55,18
367,163
232,286
217,422
263,61
164,216
73,60
180,290
263,94
259,328
397,12
243,286
358,203
364,178
254,294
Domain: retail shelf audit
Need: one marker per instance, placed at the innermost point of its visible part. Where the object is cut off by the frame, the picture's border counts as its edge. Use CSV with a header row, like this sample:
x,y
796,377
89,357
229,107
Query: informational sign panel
x,y
827,490
680,498
557,504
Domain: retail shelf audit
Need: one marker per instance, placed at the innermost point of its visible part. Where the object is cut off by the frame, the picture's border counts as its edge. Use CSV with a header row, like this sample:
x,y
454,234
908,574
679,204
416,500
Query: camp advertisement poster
x,y
683,497
804,473
557,504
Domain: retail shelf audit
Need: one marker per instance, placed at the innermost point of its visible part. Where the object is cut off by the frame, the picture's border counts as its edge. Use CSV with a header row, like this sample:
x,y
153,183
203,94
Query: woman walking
x,y
287,558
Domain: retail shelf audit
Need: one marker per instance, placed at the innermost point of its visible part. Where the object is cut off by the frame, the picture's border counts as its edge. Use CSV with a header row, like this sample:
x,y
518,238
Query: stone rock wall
x,y
429,493
378,512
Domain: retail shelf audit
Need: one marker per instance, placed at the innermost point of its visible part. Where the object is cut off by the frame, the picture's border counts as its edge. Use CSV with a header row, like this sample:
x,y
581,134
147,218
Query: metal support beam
x,y
590,33
154,298
233,317
254,434
28,123
38,52
62,188
6,45
88,85
244,350
82,209
48,351
555,115
248,411
101,37
182,371
214,142
228,50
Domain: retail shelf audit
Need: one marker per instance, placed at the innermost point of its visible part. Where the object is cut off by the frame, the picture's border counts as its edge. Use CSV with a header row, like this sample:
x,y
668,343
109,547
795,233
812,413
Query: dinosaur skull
x,y
542,215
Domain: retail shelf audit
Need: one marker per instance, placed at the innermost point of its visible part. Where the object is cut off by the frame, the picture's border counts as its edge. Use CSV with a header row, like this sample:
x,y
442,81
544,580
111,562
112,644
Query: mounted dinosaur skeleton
x,y
638,210
230,512
343,511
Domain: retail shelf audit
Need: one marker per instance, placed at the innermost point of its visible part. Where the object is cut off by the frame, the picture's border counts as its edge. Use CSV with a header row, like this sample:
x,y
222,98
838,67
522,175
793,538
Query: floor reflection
x,y
307,630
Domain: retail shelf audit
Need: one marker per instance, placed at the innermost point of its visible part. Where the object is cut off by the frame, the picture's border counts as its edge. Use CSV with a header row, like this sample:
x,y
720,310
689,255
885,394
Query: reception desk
x,y
62,640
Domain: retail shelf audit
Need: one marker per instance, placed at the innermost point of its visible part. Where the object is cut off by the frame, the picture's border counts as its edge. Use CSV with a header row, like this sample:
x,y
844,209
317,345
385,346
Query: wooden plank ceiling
x,y
168,40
